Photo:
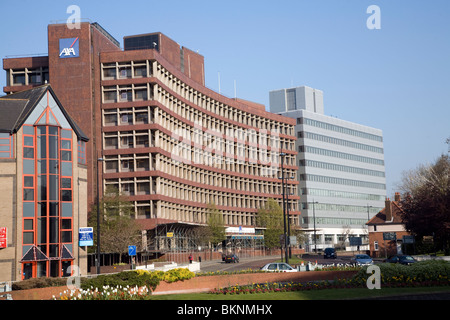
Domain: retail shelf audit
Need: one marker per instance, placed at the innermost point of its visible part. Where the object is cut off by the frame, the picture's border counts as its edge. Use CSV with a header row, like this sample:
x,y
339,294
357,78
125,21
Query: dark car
x,y
402,259
329,253
231,258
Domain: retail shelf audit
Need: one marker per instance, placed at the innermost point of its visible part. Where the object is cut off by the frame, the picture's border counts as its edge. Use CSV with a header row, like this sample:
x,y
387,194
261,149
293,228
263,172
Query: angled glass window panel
x,y
66,251
51,119
43,119
59,116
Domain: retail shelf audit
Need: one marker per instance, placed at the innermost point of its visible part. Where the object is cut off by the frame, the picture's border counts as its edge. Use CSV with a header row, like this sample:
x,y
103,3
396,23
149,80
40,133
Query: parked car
x,y
278,267
329,253
402,259
231,258
362,260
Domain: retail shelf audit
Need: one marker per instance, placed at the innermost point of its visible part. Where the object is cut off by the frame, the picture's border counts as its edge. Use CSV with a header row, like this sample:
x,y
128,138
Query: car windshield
x,y
362,256
409,258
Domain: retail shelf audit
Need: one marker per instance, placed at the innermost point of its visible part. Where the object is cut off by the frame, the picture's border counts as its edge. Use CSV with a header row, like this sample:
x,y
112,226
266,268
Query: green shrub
x,y
39,283
417,273
130,278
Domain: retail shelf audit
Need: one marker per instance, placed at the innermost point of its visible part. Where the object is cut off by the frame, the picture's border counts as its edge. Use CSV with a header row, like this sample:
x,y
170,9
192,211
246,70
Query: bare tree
x,y
426,201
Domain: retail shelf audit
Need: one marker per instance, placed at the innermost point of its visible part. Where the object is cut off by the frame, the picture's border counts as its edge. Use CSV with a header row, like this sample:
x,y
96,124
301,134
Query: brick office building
x,y
167,141
43,178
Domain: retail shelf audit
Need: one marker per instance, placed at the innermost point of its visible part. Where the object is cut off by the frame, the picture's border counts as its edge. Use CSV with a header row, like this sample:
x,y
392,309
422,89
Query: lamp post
x,y
368,214
282,155
314,219
98,217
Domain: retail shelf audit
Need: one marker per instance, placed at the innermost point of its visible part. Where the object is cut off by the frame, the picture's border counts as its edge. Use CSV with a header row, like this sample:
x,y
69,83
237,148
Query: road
x,y
254,263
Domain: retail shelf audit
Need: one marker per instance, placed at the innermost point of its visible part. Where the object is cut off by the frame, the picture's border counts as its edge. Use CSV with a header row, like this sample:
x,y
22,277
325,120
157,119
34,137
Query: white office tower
x,y
341,171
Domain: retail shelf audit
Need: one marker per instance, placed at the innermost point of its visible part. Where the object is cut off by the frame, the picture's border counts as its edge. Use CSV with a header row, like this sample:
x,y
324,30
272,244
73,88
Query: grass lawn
x,y
325,294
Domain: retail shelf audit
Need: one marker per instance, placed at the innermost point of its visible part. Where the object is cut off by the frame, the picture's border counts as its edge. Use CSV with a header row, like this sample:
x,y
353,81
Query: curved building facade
x,y
166,141
175,146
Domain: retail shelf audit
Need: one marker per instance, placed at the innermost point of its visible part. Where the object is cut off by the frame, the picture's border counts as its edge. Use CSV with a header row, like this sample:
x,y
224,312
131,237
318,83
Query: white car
x,y
278,267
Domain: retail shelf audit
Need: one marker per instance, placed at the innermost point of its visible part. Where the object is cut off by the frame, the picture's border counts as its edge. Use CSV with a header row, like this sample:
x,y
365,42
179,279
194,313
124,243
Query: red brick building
x,y
386,230
166,140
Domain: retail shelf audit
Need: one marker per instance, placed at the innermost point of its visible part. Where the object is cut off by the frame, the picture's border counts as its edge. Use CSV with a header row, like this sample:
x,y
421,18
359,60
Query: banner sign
x,y
86,236
3,237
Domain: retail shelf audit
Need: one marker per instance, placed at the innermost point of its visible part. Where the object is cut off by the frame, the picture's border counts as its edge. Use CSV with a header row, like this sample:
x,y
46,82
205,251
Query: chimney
x,y
397,197
388,210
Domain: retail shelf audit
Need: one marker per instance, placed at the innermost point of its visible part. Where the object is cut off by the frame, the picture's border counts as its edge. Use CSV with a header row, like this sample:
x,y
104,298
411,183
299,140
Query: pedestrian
x,y
190,258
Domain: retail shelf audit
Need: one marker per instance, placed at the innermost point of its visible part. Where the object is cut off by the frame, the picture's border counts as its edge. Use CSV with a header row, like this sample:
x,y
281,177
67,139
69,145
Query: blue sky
x,y
396,78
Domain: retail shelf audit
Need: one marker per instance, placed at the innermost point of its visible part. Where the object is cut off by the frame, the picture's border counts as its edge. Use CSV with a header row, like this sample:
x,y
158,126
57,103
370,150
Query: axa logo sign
x,y
69,48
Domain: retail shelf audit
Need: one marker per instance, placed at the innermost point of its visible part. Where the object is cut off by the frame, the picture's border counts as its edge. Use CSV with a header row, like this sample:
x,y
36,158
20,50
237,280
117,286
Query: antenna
x,y
219,81
235,89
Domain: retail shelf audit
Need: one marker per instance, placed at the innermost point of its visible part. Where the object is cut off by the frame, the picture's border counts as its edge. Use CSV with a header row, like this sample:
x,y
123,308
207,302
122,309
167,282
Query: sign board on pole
x,y
131,250
293,240
169,234
408,239
86,237
355,241
389,236
3,237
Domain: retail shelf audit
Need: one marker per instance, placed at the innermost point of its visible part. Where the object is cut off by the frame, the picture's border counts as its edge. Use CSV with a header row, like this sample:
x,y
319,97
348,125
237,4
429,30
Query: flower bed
x,y
421,274
106,293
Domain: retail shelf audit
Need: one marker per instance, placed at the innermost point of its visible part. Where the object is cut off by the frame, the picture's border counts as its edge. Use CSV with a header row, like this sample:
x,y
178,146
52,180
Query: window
x,y
6,144
81,152
48,194
291,98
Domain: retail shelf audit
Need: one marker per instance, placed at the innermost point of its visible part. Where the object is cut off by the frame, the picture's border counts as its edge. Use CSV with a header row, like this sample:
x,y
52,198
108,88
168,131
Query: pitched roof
x,y
380,217
15,109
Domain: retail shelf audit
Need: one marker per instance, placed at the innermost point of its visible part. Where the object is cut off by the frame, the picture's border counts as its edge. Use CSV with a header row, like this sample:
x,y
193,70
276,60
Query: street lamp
x,y
368,215
282,155
314,218
98,217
